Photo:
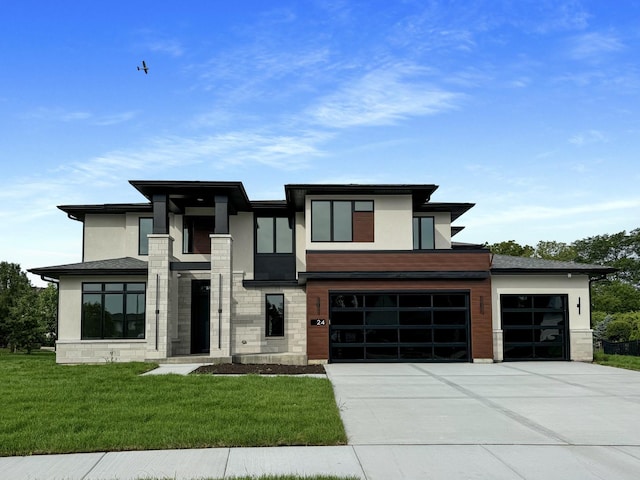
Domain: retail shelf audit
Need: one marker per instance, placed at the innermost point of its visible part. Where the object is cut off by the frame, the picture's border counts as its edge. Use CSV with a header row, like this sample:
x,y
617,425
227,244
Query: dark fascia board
x,y
296,193
179,188
78,212
270,207
456,230
405,275
456,209
183,266
269,283
53,272
472,248
552,271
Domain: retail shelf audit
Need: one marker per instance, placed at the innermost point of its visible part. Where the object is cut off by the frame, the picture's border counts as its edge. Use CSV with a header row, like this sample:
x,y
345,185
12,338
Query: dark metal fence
x,y
622,348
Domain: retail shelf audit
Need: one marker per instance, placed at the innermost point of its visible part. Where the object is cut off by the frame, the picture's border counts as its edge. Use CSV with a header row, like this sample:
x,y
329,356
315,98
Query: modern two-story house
x,y
332,273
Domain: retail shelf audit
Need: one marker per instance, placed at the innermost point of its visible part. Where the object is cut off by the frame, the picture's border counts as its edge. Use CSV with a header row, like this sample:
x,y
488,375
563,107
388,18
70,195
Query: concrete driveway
x,y
528,420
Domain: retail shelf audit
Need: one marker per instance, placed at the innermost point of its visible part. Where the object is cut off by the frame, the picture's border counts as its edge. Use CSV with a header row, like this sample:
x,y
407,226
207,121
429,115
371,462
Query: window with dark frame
x,y
274,235
342,221
423,233
274,303
195,233
145,227
113,310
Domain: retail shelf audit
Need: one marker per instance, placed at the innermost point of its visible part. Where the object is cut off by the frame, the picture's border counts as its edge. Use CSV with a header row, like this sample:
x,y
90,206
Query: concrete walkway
x,y
546,421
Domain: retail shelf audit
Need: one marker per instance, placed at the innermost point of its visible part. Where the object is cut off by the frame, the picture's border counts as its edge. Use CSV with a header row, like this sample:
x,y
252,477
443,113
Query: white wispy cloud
x,y
170,47
594,45
588,137
381,97
55,114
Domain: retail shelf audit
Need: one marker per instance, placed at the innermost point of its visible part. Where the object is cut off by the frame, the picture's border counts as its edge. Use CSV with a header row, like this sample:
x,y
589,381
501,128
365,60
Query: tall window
x,y
195,234
145,227
274,315
423,233
113,310
341,221
274,235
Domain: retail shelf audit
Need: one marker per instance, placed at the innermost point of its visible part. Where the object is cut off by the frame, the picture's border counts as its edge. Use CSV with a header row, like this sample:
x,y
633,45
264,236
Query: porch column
x,y
159,284
221,293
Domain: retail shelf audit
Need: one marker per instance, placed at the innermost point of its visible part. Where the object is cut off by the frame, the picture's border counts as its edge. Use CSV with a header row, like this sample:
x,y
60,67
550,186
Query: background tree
x,y
512,248
26,328
555,251
48,312
13,285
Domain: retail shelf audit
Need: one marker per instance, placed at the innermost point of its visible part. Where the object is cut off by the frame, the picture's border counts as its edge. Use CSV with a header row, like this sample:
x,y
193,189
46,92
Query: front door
x,y
200,308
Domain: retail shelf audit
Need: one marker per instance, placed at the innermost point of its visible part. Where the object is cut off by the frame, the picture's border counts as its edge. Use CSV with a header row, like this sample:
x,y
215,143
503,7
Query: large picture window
x,y
423,233
342,221
113,310
274,315
145,227
274,235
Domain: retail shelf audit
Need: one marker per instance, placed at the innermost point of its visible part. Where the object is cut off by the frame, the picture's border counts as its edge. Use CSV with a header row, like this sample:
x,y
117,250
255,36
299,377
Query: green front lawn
x,y
619,361
49,408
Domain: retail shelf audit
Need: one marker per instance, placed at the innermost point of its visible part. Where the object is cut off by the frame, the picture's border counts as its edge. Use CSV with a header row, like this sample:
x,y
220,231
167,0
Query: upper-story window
x,y
342,221
195,234
423,233
145,227
274,235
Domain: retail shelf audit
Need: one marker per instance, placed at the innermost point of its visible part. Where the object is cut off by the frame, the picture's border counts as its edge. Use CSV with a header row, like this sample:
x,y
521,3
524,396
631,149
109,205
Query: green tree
x,y
13,285
555,251
615,297
512,248
619,331
26,325
48,312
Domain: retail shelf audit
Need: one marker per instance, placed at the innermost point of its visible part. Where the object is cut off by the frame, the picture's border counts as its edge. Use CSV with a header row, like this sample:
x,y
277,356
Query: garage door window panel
x,y
415,317
382,317
381,335
416,335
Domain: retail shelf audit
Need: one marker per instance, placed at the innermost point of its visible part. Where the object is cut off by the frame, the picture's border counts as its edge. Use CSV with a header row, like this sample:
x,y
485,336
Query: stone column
x,y
158,296
498,346
221,294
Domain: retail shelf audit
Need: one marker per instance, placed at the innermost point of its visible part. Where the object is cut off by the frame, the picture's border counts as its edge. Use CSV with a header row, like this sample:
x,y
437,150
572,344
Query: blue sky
x,y
530,109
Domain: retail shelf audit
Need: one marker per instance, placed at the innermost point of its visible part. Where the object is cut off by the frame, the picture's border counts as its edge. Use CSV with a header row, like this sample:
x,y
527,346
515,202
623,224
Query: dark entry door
x,y
200,319
399,327
535,327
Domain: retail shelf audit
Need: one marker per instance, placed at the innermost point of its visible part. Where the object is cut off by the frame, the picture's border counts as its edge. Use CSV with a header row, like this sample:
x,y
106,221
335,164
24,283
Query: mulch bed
x,y
259,369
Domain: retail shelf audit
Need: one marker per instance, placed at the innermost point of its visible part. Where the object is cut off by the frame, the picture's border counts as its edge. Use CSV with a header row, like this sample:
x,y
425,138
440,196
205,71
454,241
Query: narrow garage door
x,y
399,327
535,327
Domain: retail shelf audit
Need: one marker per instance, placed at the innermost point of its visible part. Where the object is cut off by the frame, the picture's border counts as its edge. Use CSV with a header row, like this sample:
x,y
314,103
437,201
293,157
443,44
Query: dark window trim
x,y
433,232
331,215
102,292
140,237
275,235
266,315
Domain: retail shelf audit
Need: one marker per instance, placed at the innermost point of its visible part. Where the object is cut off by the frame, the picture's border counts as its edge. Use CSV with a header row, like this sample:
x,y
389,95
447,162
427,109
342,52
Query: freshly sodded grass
x,y
49,408
619,361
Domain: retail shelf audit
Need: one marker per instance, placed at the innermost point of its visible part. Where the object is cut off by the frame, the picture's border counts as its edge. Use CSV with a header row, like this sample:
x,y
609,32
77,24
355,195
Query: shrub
x,y
619,331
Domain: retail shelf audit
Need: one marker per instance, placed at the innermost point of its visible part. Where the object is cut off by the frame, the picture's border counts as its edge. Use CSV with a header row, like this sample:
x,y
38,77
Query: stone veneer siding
x,y
248,321
100,351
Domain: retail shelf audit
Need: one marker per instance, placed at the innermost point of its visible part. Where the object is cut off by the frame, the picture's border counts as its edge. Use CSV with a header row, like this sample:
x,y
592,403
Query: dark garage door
x,y
535,327
399,327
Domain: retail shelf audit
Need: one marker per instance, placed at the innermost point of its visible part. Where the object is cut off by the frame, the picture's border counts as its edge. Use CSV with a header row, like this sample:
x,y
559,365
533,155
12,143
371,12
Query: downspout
x,y
219,311
157,308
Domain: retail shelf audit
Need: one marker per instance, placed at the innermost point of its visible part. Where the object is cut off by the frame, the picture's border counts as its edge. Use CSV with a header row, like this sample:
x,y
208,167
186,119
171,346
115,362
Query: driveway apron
x,y
514,420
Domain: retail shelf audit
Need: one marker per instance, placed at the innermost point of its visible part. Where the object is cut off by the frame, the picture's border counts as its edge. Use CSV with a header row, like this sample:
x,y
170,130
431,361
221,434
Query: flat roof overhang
x,y
184,194
424,275
296,193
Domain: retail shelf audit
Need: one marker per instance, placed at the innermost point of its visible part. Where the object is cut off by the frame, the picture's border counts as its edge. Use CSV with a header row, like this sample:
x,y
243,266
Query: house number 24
x,y
318,322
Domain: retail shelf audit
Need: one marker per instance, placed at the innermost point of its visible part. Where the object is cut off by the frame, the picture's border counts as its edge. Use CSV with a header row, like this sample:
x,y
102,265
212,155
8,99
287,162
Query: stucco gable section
x,y
112,266
509,264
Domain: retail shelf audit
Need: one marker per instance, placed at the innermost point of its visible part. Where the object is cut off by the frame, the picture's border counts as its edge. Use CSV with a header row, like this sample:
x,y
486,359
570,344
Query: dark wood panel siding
x,y
396,261
318,307
363,227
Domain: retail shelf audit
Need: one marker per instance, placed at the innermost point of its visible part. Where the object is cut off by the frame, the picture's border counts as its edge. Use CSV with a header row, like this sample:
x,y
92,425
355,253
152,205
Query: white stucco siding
x,y
300,239
241,229
105,237
576,287
393,223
